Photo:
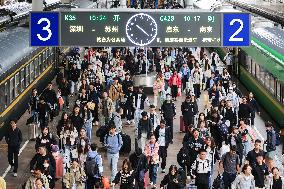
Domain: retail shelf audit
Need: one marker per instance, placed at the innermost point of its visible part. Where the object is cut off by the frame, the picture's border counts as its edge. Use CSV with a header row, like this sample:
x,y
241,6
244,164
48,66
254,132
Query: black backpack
x,y
182,157
181,177
91,167
218,183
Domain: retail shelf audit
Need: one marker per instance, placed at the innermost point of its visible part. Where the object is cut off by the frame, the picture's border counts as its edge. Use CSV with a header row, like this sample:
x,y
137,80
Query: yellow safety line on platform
x,y
28,88
25,91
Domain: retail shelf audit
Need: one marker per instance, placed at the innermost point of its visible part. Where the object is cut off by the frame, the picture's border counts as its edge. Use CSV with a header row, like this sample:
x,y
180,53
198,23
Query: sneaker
x,y
154,186
67,107
163,170
15,174
151,184
128,122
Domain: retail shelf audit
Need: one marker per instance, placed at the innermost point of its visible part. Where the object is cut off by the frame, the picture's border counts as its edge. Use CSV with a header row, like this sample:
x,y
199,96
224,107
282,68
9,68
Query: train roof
x,y
270,41
271,37
14,46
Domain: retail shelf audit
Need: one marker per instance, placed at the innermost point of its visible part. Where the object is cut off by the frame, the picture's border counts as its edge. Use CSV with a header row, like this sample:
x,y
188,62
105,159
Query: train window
x,y
36,67
253,68
23,79
43,56
40,64
272,84
46,54
27,69
2,99
12,89
6,93
17,85
248,63
32,70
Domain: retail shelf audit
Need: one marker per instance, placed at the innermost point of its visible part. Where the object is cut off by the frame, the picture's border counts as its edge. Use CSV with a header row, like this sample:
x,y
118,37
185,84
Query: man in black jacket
x,y
50,98
38,160
14,139
168,110
129,105
189,110
162,134
74,75
245,110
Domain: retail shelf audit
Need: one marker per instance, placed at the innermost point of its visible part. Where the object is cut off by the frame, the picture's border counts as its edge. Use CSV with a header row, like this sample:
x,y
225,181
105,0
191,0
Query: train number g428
x,y
167,18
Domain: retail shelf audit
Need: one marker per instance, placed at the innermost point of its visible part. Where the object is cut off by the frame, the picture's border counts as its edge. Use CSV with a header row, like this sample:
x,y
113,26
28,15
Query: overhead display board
x,y
139,28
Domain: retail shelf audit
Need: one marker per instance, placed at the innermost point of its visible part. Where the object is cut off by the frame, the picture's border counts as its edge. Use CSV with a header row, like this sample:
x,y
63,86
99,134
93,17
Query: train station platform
x,y
27,150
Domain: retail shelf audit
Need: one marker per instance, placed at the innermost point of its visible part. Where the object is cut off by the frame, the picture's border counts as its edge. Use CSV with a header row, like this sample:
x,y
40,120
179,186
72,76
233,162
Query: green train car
x,y
260,68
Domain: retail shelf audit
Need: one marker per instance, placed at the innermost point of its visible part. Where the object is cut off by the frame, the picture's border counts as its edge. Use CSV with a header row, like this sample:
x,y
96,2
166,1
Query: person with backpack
x,y
93,167
271,140
113,143
139,173
14,139
200,170
125,176
151,151
230,162
245,180
174,179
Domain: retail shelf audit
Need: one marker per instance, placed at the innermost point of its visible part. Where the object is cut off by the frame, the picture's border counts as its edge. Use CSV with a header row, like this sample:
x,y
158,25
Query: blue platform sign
x,y
236,29
44,29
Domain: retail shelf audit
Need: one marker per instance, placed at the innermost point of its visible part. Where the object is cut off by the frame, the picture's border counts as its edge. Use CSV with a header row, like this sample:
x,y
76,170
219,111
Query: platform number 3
x,y
236,29
233,36
45,28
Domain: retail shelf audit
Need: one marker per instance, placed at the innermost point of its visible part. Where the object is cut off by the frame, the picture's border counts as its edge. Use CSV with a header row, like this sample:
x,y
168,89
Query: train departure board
x,y
140,29
155,28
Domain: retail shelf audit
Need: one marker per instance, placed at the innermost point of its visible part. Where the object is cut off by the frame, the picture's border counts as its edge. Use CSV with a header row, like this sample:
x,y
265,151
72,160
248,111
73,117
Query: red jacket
x,y
178,81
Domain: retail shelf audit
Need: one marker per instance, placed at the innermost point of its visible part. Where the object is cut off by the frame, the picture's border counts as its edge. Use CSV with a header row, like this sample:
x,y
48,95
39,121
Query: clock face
x,y
141,29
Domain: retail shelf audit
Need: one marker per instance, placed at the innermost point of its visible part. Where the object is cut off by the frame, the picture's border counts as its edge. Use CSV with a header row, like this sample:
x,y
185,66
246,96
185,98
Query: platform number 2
x,y
233,38
45,28
236,29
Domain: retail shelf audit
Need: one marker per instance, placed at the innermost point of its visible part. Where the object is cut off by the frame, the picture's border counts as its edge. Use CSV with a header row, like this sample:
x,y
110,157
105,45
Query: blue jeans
x,y
88,127
113,160
153,173
228,178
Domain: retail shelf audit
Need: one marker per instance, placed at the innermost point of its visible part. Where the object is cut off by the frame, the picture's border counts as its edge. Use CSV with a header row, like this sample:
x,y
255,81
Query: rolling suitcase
x,y
182,126
33,131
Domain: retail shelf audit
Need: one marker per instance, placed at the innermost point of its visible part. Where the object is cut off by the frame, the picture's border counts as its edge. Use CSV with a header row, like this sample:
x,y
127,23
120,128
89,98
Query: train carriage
x,y
22,69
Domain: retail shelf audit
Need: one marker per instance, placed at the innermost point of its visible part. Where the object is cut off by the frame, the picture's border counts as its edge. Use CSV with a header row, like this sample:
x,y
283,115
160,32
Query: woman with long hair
x,y
212,155
175,84
124,176
245,180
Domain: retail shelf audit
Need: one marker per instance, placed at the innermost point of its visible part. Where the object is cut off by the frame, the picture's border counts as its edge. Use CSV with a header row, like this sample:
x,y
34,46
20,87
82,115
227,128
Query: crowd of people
x,y
219,138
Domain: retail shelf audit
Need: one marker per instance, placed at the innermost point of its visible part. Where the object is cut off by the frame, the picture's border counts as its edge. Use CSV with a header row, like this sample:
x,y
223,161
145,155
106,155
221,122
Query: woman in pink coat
x,y
151,151
175,84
